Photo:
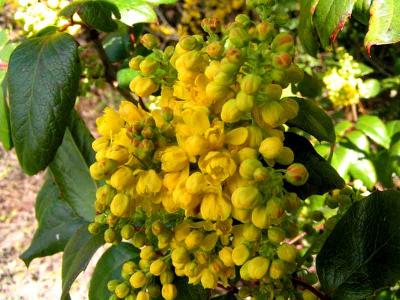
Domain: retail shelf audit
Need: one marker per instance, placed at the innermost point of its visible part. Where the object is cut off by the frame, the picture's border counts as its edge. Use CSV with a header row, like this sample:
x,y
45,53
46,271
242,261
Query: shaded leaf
x,y
77,254
362,254
384,23
375,129
73,179
306,30
393,128
43,79
82,137
330,17
94,13
190,291
5,127
313,120
109,267
361,11
57,223
117,45
322,176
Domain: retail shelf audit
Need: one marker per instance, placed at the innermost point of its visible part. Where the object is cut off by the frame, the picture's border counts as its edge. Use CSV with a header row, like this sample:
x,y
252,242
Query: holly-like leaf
x,y
313,120
384,23
109,267
97,14
57,223
330,17
77,254
306,30
375,129
362,254
73,179
43,78
82,137
322,176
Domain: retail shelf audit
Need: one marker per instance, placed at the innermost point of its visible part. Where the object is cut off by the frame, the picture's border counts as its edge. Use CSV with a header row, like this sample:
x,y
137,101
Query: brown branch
x,y
319,294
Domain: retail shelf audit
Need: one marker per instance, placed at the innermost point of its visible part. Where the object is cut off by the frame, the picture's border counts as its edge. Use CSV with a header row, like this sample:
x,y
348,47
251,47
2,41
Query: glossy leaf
x,y
133,12
357,141
82,137
5,127
117,45
393,128
342,127
330,17
57,223
73,179
77,254
384,23
362,254
43,78
322,176
306,30
109,267
313,120
375,129
94,13
342,159
364,170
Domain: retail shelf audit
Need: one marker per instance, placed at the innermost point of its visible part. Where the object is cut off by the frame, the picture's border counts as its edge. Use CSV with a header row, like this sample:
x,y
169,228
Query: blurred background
x,y
360,92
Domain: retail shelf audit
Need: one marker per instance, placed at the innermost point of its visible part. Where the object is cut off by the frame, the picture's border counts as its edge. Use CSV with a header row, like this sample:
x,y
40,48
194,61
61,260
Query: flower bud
x,y
122,290
216,92
215,49
243,215
287,253
240,254
144,86
260,217
276,234
122,178
118,153
121,205
142,295
174,159
149,41
294,74
169,291
157,267
248,167
194,239
234,55
246,197
138,280
129,267
283,42
209,241
271,147
261,174
127,232
102,169
244,102
281,60
274,208
230,112
188,42
239,37
110,236
112,284
147,253
148,65
285,157
166,277
296,174
94,228
271,113
258,267
134,63
225,254
277,269
265,31
290,108
179,255
138,239
273,92
250,84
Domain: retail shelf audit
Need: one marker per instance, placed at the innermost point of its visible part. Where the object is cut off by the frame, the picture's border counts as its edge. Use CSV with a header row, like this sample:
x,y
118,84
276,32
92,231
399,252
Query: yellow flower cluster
x,y
210,153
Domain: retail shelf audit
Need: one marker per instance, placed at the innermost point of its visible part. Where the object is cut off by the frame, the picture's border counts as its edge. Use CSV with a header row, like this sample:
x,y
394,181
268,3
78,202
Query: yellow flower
x,y
122,178
130,113
174,159
215,207
237,136
122,205
217,166
110,122
195,145
215,135
149,183
195,183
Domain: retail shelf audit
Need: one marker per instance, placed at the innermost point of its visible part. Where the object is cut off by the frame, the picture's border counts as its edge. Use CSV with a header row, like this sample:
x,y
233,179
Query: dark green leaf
x,y
313,120
323,177
375,129
117,45
383,165
393,128
5,128
94,13
72,177
47,30
125,76
361,11
384,23
109,267
133,12
364,170
43,78
306,30
228,296
362,254
330,17
77,254
82,137
310,86
57,223
190,291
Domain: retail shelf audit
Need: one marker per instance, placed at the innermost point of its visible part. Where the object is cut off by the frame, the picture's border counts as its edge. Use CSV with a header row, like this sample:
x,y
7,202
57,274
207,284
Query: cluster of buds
x,y
206,165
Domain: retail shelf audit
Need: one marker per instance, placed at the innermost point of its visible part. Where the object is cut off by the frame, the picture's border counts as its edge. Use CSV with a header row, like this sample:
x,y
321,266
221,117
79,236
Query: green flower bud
x,y
166,277
244,102
122,290
285,157
276,235
94,228
251,233
283,42
129,267
239,37
260,217
296,174
112,284
230,112
110,235
148,65
149,41
134,63
258,267
277,269
188,42
265,31
294,74
215,49
127,231
246,197
248,167
250,84
139,239
287,252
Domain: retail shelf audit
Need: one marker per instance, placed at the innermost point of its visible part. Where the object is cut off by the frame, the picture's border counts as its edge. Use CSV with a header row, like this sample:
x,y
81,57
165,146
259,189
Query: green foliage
x,y
189,291
109,267
362,253
43,78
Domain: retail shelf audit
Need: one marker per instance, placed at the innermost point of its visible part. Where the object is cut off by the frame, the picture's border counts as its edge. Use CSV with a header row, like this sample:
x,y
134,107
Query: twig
x,y
354,112
319,294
